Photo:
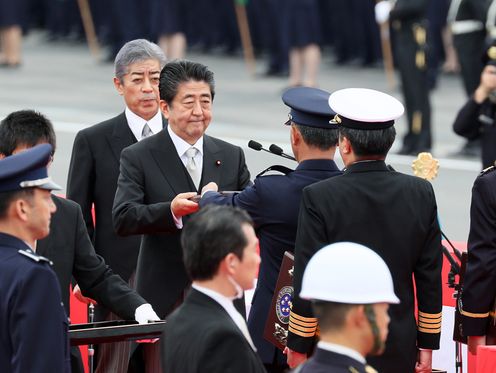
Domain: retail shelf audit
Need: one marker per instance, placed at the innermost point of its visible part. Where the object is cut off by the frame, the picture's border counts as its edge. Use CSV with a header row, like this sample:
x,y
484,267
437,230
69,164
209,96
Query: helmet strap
x,y
378,343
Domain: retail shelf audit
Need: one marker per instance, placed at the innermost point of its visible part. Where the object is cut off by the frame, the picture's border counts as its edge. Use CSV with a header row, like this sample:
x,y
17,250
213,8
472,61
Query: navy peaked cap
x,y
309,107
27,169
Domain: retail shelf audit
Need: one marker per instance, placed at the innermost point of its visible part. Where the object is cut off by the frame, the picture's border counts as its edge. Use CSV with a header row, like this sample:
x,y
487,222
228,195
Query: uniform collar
x,y
366,166
12,242
342,350
318,164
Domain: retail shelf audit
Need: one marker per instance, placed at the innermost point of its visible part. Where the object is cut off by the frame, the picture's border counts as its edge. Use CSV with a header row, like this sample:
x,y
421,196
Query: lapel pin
x,y
218,162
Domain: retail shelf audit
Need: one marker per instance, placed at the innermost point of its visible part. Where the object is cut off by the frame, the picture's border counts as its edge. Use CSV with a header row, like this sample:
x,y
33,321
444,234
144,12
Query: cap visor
x,y
50,185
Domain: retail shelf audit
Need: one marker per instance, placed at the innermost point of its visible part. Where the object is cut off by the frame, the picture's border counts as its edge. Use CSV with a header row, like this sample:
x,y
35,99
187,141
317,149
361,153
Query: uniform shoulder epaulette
x,y
487,170
282,169
35,257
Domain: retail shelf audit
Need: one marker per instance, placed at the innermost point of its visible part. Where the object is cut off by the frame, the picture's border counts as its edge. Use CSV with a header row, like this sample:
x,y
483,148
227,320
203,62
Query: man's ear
x,y
164,108
231,263
118,86
295,135
357,316
344,145
21,208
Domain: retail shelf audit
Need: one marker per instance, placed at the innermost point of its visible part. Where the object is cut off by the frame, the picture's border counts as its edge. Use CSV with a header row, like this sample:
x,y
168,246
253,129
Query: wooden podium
x,y
113,331
276,326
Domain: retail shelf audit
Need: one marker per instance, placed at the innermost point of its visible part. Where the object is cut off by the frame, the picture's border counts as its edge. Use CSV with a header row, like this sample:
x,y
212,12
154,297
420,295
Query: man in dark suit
x,y
273,202
206,333
32,319
160,173
478,284
68,245
350,287
94,166
392,213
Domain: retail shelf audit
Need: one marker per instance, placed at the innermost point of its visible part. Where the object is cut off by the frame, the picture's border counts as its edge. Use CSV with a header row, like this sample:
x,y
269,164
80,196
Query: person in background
x,y
476,119
206,333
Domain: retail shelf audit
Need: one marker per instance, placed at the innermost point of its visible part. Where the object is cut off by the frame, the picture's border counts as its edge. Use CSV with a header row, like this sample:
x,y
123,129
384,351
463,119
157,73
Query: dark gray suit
x,y
151,175
69,247
92,180
200,336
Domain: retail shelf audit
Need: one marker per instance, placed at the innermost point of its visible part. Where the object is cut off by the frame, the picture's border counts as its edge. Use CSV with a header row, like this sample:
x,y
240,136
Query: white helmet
x,y
347,272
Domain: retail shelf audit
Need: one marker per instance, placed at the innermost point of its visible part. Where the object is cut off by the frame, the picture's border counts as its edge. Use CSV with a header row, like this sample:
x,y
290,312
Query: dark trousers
x,y
469,48
413,74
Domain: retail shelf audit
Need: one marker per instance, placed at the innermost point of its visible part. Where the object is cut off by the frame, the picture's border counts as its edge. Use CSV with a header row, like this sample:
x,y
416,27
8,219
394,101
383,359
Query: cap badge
x,y
335,120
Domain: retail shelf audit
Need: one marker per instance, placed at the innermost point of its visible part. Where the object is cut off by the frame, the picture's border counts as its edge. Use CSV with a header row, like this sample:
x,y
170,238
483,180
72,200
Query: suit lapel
x,y
198,297
212,161
121,137
167,160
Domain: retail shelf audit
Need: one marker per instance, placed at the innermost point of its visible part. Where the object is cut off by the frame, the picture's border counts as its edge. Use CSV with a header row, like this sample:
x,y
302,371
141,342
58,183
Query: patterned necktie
x,y
146,131
191,166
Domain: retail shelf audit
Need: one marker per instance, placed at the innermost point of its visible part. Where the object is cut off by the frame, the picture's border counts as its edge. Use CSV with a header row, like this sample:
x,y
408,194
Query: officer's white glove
x,y
382,10
145,313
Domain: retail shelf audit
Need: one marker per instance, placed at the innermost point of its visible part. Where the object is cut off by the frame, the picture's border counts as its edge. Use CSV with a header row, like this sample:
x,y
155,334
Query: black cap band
x,y
359,125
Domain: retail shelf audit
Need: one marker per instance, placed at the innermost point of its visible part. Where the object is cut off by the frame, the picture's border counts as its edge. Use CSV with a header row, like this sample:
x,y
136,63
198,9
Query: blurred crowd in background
x,y
289,35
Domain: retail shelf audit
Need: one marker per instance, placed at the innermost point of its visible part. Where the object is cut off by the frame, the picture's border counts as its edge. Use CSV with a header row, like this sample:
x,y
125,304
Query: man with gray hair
x,y
94,166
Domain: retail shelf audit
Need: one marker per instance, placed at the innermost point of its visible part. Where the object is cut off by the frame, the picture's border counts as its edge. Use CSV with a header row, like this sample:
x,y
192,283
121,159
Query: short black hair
x,y
321,138
25,127
369,142
331,315
6,199
209,236
181,71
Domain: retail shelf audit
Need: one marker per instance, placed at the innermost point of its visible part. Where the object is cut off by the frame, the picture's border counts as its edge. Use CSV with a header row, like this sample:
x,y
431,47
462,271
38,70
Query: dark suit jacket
x,y
396,216
152,174
69,248
324,361
273,202
200,336
92,179
479,291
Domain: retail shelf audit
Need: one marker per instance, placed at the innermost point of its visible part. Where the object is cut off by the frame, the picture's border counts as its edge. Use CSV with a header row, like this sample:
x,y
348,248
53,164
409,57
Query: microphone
x,y
273,149
255,145
278,151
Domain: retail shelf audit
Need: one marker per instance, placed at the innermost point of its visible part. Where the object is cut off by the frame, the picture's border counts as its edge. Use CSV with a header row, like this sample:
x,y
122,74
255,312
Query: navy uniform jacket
x,y
479,288
200,336
478,120
324,361
33,324
273,202
396,216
